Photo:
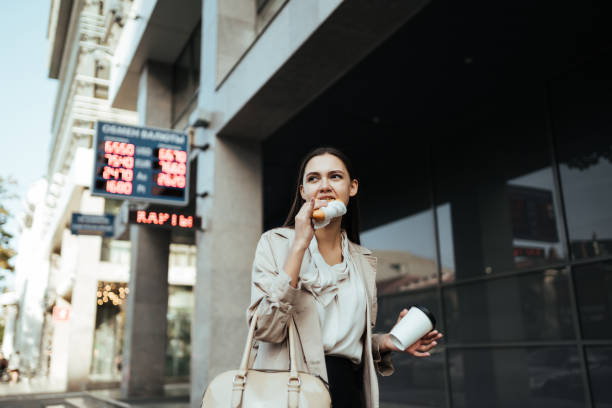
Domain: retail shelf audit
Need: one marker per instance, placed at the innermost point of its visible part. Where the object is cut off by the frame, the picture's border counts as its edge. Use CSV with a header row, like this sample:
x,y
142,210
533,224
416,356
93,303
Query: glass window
x,y
515,377
529,307
583,130
416,382
594,297
599,360
111,298
182,255
186,76
180,315
397,217
496,205
116,251
183,87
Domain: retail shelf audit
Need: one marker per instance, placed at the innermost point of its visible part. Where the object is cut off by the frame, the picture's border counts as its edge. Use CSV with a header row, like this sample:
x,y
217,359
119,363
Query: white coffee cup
x,y
415,324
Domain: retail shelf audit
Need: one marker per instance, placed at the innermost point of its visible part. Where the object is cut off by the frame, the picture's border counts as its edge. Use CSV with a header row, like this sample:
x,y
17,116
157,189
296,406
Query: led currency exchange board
x,y
141,164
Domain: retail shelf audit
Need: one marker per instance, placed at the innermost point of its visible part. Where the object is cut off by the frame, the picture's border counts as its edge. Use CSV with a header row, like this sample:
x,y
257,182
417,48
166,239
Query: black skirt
x,y
345,382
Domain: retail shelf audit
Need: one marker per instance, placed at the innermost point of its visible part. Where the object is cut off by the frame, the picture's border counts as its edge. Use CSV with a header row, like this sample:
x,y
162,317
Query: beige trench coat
x,y
274,300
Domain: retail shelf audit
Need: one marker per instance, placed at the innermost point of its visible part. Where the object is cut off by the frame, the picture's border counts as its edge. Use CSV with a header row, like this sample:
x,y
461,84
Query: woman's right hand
x,y
304,230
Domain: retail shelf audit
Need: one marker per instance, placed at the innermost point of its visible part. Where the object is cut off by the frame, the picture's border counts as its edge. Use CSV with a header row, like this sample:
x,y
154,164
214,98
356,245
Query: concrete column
x,y
83,302
144,348
225,256
230,172
8,341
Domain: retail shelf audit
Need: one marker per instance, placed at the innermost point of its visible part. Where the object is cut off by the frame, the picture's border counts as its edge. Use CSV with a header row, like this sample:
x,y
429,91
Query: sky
x,y
27,95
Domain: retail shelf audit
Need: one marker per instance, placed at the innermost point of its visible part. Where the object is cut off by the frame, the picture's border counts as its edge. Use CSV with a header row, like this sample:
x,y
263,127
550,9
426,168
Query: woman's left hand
x,y
420,348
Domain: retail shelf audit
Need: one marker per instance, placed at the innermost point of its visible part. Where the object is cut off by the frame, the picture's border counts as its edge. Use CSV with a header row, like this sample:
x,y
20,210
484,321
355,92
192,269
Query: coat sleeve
x,y
272,296
382,361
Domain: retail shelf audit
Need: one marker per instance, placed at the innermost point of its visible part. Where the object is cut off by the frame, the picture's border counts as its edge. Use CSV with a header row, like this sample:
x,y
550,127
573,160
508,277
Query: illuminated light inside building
x,y
114,294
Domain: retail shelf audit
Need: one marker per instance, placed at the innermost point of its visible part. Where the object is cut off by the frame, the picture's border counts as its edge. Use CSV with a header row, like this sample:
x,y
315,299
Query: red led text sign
x,y
164,219
141,164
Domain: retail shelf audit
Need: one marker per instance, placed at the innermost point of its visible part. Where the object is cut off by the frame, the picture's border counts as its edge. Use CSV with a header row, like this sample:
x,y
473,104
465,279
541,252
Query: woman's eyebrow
x,y
316,173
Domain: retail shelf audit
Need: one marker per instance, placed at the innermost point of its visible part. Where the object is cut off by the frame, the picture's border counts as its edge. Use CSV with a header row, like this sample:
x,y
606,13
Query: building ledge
x,y
58,30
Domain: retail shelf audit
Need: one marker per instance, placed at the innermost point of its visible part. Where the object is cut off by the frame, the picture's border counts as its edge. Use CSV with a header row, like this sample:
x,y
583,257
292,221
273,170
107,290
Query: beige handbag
x,y
249,388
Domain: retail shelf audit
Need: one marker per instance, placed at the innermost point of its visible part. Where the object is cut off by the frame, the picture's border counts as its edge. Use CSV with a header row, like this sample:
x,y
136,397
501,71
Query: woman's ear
x,y
302,192
354,187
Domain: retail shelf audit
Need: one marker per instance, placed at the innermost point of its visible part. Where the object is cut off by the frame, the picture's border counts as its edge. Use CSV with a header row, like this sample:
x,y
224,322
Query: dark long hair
x,y
350,220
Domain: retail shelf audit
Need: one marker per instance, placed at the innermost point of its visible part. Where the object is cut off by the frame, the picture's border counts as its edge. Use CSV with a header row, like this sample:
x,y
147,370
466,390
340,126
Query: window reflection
x,y
549,378
425,377
594,298
529,307
406,253
599,360
583,130
496,203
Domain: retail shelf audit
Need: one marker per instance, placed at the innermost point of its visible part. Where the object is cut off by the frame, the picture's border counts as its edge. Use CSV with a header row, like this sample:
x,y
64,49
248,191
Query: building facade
x,y
73,289
481,140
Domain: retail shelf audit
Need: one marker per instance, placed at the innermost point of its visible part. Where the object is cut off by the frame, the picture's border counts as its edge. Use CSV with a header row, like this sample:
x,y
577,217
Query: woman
x,y
325,281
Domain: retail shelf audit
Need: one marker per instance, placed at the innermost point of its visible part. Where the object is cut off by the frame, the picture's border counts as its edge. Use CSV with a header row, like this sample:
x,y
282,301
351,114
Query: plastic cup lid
x,y
428,314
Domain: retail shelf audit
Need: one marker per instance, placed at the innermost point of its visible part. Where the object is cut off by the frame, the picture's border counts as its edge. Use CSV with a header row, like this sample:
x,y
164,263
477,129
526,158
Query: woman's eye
x,y
311,178
337,176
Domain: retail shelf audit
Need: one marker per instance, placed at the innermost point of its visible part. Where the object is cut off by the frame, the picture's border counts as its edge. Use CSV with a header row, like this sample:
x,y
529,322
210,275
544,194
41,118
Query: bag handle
x,y
240,378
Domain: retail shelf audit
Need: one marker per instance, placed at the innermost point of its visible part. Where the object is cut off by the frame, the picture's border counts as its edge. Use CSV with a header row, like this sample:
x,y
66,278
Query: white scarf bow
x,y
322,279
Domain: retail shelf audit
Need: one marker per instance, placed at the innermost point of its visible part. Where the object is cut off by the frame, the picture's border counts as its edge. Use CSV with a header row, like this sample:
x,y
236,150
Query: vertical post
x,y
144,349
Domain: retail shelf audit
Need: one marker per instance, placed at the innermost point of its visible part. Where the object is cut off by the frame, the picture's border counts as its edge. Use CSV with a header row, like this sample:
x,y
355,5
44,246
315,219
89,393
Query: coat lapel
x,y
366,264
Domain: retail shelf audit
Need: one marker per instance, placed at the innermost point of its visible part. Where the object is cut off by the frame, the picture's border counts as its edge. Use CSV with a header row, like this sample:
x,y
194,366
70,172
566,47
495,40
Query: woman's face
x,y
326,177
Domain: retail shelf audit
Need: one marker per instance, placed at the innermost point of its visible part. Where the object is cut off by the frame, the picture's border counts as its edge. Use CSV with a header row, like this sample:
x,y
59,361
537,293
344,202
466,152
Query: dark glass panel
x,y
599,360
519,308
416,382
594,297
395,191
496,203
516,377
183,86
582,125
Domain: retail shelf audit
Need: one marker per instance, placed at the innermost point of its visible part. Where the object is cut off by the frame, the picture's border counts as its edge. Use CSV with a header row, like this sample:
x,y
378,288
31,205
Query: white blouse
x,y
341,301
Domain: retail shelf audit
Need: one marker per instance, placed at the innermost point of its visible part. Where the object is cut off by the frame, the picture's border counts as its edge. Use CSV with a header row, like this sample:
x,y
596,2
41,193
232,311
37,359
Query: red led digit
x,y
181,156
124,149
119,187
110,173
166,154
171,180
173,167
128,162
127,174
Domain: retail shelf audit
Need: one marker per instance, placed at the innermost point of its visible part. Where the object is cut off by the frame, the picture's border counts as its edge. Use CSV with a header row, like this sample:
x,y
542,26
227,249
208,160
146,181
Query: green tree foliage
x,y
6,252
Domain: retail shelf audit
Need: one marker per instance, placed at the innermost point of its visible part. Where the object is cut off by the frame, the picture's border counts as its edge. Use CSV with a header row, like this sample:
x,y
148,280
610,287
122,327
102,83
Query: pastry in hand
x,y
323,216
